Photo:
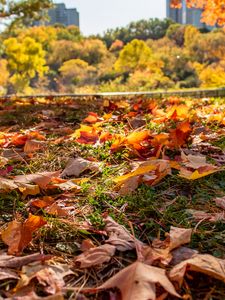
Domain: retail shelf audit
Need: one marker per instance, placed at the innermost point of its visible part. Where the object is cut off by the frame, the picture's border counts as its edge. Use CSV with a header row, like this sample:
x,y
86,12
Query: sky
x,y
96,16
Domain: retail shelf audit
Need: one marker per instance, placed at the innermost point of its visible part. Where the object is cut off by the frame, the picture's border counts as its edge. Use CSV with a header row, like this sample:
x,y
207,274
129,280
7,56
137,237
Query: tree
x,y
176,33
26,59
76,71
135,55
142,30
213,10
24,10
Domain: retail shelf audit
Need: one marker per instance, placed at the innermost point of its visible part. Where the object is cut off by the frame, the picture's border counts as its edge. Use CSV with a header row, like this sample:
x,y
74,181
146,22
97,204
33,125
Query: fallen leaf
x,y
202,263
18,235
182,253
201,172
199,215
41,179
138,282
220,202
7,184
51,277
95,256
3,161
33,146
161,250
78,165
6,273
119,236
10,261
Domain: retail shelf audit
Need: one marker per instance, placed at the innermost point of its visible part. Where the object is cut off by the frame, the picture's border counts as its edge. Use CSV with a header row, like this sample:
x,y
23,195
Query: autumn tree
x,y
213,10
26,59
23,11
135,55
76,71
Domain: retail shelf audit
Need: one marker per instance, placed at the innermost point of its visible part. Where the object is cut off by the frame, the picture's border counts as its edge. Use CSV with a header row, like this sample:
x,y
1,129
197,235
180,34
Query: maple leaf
x,y
92,118
178,136
199,173
87,137
161,250
203,263
33,146
18,235
95,256
119,236
150,172
138,282
78,165
51,277
42,179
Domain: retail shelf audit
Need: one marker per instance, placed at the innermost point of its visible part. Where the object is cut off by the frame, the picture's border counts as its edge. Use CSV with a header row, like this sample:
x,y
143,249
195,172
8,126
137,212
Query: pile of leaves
x,y
107,199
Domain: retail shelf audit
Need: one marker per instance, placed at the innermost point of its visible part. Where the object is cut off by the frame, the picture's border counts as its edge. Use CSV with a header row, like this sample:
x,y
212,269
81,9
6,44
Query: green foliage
x,y
145,55
142,30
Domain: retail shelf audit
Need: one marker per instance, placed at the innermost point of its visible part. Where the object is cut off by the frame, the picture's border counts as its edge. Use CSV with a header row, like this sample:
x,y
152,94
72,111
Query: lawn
x,y
112,182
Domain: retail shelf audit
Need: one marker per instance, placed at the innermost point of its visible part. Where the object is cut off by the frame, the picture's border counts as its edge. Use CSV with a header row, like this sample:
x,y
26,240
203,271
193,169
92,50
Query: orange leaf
x,y
18,235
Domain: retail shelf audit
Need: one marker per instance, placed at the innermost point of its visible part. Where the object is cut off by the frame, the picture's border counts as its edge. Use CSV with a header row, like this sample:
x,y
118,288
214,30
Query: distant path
x,y
197,93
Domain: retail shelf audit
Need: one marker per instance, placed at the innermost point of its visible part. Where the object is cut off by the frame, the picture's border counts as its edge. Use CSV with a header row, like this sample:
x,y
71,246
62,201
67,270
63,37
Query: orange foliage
x,y
213,10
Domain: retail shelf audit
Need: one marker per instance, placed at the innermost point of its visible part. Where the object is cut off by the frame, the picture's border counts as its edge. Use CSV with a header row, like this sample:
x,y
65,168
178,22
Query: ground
x,y
114,137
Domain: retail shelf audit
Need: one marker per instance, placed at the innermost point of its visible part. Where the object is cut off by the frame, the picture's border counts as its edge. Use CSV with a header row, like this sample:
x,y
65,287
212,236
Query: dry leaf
x,y
18,235
182,253
8,274
32,146
138,282
119,236
203,263
220,202
41,179
7,184
199,215
161,250
95,256
78,165
49,276
10,261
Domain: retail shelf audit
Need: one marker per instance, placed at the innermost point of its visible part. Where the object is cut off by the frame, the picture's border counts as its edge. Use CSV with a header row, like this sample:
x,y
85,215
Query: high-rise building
x,y
62,15
185,15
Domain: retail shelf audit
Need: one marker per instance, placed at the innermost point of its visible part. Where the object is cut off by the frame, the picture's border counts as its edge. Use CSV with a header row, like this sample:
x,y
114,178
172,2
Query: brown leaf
x,y
49,276
9,261
78,165
138,282
202,263
41,179
182,253
33,146
161,250
199,215
7,184
95,256
28,293
18,235
150,172
119,236
220,202
87,245
7,274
